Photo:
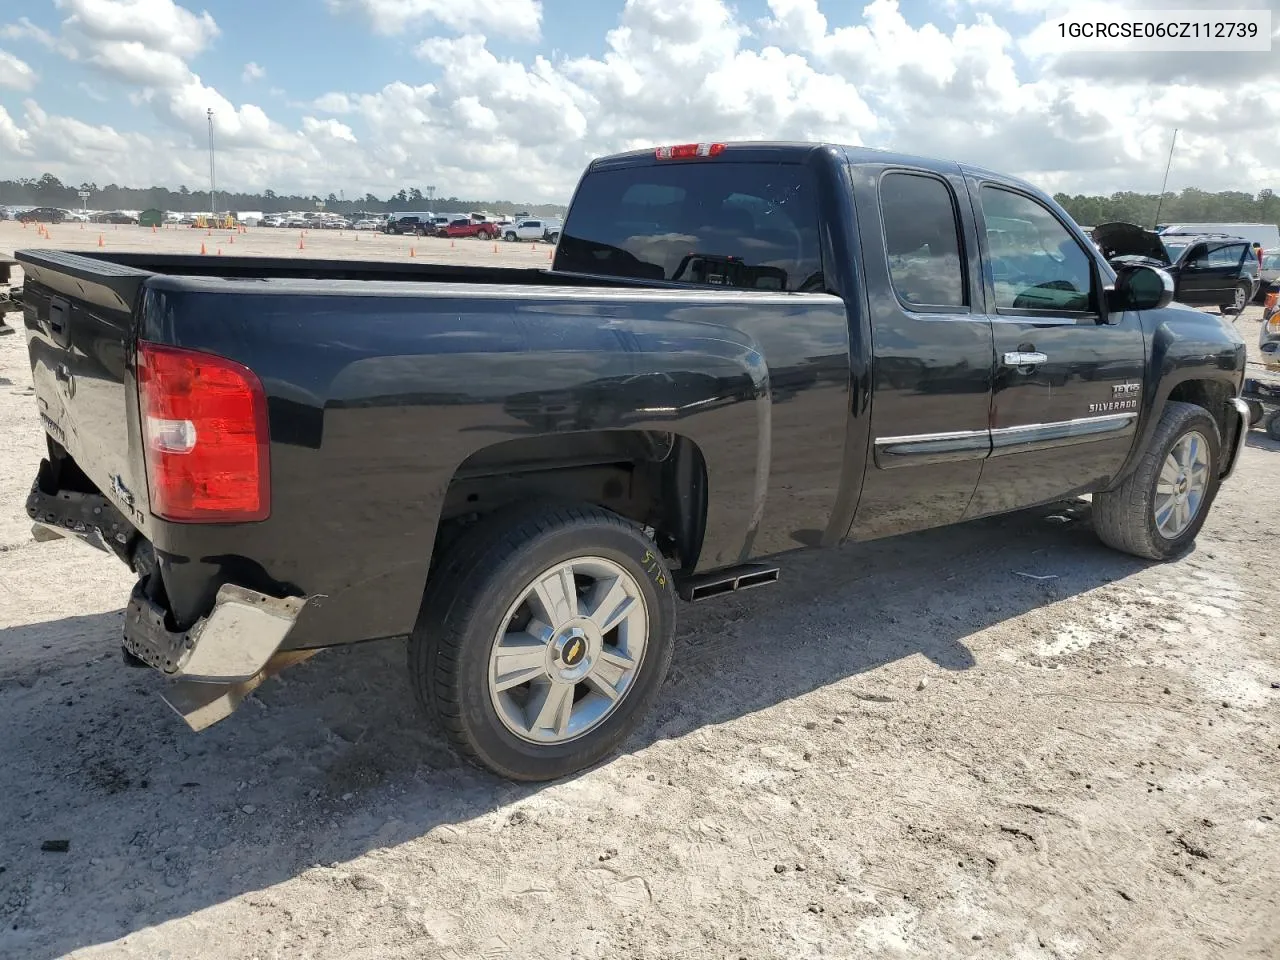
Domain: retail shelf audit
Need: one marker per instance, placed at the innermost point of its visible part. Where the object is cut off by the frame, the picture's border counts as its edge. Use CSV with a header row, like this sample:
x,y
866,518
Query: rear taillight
x,y
689,151
204,431
1272,297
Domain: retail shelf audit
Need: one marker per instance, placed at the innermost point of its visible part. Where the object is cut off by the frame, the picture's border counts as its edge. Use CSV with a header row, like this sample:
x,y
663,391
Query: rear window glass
x,y
746,225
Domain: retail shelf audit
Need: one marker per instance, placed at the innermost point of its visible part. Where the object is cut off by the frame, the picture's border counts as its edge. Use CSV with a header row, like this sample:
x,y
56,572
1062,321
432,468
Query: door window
x,y
1036,265
1228,256
922,240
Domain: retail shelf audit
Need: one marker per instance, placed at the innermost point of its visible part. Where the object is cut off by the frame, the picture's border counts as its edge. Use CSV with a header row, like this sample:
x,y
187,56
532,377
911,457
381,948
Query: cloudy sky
x,y
509,98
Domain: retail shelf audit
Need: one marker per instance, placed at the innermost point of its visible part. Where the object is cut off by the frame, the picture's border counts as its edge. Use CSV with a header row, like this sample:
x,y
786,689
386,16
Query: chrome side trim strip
x,y
922,448
958,445
1062,433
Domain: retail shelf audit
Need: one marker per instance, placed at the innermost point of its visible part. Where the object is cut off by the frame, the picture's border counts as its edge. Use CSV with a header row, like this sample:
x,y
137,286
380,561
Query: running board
x,y
731,580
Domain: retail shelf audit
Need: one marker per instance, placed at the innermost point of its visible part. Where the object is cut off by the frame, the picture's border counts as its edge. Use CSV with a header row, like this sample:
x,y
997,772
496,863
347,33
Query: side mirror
x,y
1141,288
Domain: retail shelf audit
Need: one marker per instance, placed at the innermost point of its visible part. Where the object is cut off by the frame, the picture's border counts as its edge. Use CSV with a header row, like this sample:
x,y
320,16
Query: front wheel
x,y
1157,512
511,237
543,639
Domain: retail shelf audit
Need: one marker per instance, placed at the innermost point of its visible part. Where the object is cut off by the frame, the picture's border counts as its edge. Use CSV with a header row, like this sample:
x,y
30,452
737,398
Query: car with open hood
x,y
1212,270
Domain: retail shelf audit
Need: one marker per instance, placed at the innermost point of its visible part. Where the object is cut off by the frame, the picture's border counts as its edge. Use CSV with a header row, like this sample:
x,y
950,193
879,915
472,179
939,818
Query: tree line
x,y
1190,205
49,191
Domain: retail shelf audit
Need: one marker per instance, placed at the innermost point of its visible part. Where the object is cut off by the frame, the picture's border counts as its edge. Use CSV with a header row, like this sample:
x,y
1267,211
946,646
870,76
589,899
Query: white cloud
x,y
252,72
15,74
334,103
514,18
160,25
669,71
24,29
13,139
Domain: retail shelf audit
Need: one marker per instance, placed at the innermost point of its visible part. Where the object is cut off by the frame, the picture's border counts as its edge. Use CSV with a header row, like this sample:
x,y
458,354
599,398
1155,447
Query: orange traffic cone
x,y
82,226
549,257
101,243
232,239
301,244
450,244
202,250
219,251
357,238
495,248
153,228
412,252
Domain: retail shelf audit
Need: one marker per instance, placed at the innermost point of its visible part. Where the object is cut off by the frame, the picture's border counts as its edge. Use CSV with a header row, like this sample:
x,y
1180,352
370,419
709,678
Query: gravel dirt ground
x,y
994,740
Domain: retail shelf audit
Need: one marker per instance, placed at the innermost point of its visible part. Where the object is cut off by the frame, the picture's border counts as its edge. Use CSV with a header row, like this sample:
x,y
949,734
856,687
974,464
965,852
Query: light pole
x,y
213,203
1165,182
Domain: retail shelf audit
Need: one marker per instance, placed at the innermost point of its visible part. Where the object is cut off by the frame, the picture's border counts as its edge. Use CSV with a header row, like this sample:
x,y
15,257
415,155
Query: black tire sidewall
x,y
496,746
1205,425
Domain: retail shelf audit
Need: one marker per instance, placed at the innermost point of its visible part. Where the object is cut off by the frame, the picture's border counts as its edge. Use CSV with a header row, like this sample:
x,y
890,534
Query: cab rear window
x,y
745,225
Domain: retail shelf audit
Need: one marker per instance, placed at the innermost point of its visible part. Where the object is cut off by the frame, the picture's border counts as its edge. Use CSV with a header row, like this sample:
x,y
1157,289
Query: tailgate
x,y
79,317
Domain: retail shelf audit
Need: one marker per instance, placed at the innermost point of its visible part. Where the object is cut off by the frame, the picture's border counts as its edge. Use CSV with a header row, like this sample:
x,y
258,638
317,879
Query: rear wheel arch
x,y
655,479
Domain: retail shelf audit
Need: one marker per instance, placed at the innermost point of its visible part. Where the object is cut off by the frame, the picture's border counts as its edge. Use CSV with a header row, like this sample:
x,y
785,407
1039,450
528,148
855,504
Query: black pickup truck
x,y
739,350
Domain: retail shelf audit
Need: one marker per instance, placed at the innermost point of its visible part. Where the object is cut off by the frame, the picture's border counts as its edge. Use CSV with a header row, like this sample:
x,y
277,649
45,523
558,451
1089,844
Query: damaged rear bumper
x,y
223,657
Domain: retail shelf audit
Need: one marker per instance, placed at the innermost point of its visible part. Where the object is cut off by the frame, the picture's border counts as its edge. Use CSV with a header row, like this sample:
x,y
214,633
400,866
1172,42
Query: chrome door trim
x,y
921,448
1061,433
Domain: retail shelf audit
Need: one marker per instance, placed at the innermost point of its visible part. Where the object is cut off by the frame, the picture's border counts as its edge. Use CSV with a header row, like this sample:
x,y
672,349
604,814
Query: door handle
x,y
1016,359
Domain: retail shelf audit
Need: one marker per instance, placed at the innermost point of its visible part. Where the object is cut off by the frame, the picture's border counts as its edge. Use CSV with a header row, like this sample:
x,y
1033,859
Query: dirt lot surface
x,y
272,242
995,740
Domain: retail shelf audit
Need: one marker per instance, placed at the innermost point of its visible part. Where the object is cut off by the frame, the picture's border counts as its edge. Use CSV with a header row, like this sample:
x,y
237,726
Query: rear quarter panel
x,y
378,392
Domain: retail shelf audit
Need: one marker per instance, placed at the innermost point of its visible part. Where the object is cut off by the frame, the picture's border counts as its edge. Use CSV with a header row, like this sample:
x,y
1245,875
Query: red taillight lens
x,y
689,151
205,437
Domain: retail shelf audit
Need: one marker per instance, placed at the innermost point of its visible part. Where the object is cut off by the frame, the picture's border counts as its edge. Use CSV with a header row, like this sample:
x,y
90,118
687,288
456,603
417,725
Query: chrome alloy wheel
x,y
569,651
1181,486
1240,298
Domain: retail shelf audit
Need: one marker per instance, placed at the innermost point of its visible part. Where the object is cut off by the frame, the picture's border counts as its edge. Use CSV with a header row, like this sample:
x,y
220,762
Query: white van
x,y
1266,234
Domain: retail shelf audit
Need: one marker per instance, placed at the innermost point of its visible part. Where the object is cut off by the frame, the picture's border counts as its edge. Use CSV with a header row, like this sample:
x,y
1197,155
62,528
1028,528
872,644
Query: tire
x,y
1125,517
1243,291
1255,412
511,237
479,585
1273,426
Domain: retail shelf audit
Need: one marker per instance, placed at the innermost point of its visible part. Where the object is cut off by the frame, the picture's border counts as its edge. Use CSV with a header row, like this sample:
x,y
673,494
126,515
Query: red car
x,y
466,227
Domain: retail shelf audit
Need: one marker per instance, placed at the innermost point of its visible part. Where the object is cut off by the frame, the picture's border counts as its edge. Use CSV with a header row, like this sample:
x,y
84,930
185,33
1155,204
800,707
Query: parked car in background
x,y
526,230
1208,271
1270,267
467,227
272,220
367,225
415,224
43,215
114,216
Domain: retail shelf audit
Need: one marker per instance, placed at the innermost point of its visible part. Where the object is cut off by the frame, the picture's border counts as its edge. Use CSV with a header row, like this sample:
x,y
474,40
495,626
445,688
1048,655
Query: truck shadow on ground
x,y
332,759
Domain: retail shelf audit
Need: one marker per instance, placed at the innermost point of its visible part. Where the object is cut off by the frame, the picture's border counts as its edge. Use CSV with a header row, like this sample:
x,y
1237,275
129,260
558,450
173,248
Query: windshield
x,y
1174,248
746,225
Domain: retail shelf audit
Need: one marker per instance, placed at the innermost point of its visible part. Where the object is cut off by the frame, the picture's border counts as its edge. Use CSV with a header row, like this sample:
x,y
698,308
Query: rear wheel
x,y
1239,299
511,237
543,639
1157,512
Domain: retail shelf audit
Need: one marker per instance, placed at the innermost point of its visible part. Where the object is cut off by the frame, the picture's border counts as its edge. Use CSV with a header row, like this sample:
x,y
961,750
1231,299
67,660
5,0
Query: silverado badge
x,y
1124,396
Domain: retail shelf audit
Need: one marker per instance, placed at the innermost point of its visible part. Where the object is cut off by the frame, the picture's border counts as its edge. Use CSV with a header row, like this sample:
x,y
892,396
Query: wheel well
x,y
656,479
1210,394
